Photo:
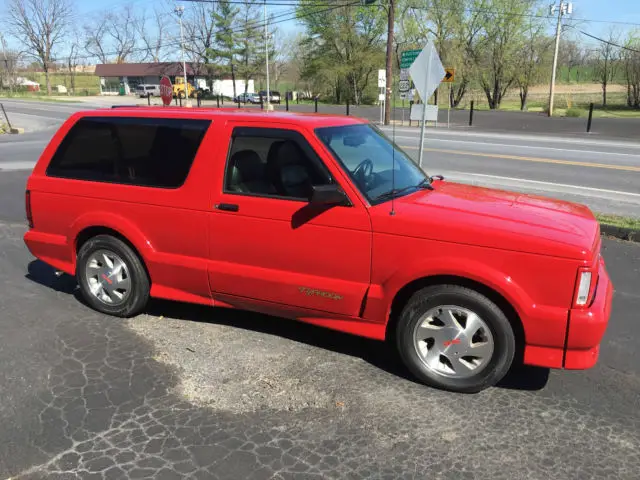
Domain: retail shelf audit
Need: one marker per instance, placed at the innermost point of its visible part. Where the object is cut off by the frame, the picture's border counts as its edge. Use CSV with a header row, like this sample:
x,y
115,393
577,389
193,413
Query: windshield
x,y
371,159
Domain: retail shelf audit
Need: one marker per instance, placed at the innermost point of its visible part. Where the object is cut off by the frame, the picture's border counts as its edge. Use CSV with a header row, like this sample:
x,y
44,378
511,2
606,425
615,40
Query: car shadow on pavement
x,y
379,354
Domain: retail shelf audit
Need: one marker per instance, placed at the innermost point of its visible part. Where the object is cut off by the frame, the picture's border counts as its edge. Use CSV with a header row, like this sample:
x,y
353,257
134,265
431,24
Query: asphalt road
x,y
190,392
601,173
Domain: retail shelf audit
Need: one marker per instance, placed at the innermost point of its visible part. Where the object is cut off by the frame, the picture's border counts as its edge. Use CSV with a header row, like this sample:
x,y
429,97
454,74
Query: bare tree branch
x,y
40,25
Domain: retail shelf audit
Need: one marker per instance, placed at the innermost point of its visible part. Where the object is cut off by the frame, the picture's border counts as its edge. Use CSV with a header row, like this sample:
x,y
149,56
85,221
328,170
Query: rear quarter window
x,y
153,152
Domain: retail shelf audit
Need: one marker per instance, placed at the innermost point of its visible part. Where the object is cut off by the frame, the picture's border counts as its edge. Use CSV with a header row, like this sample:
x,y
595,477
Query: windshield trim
x,y
373,201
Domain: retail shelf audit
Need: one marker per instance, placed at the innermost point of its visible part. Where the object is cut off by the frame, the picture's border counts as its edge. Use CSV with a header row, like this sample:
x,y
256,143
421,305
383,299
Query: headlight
x,y
584,287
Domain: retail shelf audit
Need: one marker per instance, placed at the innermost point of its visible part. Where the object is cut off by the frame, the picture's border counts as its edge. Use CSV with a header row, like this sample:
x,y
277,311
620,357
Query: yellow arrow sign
x,y
449,75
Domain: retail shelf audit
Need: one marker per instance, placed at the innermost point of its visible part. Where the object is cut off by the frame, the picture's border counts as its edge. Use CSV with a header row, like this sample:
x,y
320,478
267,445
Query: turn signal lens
x,y
583,288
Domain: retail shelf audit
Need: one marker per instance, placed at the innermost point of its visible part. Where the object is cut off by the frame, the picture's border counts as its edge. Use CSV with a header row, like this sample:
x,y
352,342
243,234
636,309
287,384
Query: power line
x,y
292,15
534,15
607,41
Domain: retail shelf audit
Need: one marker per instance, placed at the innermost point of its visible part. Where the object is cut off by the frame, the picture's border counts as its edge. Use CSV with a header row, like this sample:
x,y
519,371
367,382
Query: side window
x,y
153,152
273,162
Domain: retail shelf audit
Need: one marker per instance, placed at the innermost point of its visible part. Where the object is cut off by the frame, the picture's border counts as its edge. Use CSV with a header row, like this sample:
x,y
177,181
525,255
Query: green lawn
x,y
618,221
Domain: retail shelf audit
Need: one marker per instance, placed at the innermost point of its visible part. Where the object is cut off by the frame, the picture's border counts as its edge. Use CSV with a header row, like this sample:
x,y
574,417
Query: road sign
x,y
426,72
431,114
407,57
382,78
449,76
166,90
404,74
404,86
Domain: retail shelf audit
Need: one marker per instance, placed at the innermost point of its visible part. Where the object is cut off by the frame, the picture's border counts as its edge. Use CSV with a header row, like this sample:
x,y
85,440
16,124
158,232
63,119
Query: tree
x,y
96,39
225,46
8,65
631,59
121,30
249,54
199,36
607,62
504,22
343,49
531,60
72,60
41,25
152,41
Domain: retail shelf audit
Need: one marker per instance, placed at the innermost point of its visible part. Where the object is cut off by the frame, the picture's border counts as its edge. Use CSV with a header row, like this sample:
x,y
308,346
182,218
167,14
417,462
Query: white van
x,y
146,90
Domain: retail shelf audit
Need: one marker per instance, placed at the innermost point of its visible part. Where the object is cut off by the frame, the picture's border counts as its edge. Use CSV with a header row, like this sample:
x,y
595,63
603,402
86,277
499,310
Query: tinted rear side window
x,y
153,152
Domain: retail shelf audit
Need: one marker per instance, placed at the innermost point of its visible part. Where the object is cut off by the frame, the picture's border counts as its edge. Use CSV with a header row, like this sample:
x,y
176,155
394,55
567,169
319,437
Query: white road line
x,y
8,166
537,182
512,136
593,152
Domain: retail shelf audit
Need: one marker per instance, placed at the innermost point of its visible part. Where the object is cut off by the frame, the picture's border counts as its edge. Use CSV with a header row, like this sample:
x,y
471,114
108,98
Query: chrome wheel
x,y
453,341
107,277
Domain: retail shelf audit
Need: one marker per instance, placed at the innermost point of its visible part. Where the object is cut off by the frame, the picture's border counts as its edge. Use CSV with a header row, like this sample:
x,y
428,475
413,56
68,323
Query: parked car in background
x,y
274,96
146,90
321,219
247,98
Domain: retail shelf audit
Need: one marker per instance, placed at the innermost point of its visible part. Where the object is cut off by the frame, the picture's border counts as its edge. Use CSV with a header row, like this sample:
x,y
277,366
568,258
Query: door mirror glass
x,y
328,195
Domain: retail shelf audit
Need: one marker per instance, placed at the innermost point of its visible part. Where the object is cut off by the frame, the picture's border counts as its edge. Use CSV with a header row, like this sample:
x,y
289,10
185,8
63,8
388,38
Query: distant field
x,y
84,81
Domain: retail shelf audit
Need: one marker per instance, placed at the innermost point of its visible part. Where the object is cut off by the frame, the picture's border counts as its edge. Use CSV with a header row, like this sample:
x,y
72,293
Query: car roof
x,y
312,120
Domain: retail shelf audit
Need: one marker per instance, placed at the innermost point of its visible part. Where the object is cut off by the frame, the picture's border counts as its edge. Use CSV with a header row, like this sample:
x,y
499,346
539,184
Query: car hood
x,y
497,219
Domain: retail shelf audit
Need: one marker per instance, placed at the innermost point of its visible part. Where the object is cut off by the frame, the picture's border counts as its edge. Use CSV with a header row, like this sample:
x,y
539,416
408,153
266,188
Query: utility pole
x,y
266,53
391,18
563,8
179,11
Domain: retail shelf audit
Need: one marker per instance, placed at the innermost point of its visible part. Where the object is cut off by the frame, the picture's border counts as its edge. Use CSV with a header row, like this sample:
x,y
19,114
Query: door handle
x,y
227,207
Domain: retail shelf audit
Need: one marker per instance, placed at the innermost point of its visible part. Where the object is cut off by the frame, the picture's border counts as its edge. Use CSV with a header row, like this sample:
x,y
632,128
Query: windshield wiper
x,y
424,184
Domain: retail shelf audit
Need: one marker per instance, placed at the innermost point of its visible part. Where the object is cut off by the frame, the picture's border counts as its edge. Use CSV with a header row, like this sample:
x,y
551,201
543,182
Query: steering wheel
x,y
363,172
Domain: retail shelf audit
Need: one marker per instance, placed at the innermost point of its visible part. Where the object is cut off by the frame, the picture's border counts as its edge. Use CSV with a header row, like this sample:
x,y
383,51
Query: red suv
x,y
324,220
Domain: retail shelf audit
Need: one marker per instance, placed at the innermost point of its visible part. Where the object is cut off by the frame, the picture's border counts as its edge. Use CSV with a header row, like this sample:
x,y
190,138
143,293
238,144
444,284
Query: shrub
x,y
574,112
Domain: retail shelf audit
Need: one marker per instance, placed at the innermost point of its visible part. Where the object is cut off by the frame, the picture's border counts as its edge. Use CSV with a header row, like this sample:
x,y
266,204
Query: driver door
x,y
268,243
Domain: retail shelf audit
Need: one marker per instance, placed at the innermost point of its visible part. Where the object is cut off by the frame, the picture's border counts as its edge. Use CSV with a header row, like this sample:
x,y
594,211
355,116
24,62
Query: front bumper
x,y
586,326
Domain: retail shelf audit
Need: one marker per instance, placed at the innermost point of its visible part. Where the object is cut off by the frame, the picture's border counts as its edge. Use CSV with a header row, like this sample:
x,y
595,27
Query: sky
x,y
596,13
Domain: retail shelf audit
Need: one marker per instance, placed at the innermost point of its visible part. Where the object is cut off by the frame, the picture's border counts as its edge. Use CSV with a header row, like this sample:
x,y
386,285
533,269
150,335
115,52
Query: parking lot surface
x,y
190,392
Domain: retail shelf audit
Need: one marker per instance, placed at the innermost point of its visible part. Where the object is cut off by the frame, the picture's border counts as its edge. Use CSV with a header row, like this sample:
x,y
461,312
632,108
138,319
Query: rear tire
x,y
111,276
453,338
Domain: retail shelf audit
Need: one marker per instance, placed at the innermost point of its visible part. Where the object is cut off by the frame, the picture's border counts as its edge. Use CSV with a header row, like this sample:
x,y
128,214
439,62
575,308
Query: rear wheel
x,y
111,277
454,338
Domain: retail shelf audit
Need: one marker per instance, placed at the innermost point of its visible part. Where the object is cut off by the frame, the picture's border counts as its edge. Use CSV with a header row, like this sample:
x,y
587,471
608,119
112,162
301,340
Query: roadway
x,y
602,173
191,392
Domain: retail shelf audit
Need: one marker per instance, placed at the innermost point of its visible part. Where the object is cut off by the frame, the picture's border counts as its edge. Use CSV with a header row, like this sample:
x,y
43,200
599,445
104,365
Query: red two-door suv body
x,y
324,220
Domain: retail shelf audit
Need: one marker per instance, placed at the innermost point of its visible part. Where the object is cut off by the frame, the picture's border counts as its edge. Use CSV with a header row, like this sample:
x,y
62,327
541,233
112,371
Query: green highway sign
x,y
407,57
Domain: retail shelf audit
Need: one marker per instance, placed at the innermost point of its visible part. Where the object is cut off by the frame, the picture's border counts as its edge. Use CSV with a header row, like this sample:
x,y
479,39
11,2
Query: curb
x,y
622,233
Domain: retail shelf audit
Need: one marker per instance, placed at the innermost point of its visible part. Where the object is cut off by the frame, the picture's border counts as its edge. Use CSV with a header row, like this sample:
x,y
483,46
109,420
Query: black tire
x,y
439,295
138,296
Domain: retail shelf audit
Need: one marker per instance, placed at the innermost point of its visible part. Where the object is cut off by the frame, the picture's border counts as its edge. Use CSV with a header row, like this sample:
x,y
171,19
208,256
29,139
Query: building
x,y
126,76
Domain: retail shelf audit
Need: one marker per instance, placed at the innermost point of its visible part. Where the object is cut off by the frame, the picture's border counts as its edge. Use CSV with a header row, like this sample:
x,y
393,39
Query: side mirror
x,y
328,195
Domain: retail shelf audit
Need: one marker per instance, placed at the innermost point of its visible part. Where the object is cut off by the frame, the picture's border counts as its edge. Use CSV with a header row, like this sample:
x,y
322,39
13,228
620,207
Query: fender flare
x,y
465,268
117,223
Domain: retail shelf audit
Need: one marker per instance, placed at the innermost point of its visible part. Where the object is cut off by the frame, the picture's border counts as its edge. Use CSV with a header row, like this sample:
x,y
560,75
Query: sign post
x,y
166,91
427,73
382,84
449,77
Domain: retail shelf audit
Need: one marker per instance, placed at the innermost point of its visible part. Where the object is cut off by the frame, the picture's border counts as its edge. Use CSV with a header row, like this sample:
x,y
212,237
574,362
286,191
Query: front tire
x,y
453,338
111,277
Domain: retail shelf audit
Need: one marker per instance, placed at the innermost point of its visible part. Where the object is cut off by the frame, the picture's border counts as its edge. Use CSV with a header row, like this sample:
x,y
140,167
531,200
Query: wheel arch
x,y
404,294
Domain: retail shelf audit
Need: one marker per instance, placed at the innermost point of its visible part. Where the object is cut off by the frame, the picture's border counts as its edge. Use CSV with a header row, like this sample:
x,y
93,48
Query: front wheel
x,y
454,338
111,277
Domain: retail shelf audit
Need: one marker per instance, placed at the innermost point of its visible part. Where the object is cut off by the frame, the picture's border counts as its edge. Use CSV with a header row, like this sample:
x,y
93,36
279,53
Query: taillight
x,y
27,204
585,287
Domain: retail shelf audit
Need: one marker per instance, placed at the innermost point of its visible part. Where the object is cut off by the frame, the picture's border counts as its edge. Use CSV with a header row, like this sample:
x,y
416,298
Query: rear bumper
x,y
585,328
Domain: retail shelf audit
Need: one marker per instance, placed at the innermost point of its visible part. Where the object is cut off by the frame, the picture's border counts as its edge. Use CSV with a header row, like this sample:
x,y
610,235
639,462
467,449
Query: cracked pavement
x,y
191,392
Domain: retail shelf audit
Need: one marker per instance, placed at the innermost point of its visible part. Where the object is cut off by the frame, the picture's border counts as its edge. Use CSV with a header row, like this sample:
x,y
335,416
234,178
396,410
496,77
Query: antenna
x,y
393,154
